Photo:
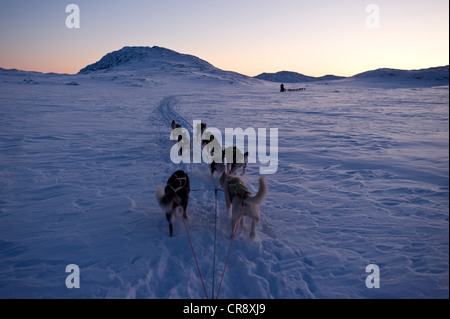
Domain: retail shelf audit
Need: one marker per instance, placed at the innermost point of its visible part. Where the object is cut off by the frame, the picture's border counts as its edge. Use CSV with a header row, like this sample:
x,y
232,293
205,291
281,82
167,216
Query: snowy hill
x,y
136,58
383,77
161,62
395,78
294,77
439,74
436,73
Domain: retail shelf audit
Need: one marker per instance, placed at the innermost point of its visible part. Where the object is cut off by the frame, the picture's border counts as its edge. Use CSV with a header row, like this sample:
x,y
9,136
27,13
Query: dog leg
x,y
255,220
243,224
227,202
169,219
235,217
184,211
253,231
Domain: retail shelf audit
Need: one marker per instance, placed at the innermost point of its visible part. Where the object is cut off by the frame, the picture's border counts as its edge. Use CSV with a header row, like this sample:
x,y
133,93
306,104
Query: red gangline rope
x,y
190,242
229,250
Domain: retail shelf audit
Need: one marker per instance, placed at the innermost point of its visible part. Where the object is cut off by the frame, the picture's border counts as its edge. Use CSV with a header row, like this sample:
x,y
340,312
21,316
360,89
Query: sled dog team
x,y
239,201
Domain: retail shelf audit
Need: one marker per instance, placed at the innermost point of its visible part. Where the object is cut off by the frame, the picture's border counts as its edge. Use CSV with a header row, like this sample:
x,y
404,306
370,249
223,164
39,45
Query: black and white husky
x,y
241,202
176,194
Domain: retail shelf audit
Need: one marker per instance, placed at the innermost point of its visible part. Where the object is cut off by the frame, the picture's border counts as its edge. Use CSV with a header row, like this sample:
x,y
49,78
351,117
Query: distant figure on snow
x,y
282,89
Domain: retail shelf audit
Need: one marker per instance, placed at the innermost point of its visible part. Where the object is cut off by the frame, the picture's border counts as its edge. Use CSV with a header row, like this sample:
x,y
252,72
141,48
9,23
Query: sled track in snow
x,y
166,112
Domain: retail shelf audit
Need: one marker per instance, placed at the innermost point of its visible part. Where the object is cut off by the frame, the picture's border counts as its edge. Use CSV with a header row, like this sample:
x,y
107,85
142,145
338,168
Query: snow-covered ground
x,y
363,178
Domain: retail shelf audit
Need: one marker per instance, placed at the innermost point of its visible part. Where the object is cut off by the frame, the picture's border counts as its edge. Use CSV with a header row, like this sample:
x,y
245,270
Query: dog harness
x,y
237,189
176,182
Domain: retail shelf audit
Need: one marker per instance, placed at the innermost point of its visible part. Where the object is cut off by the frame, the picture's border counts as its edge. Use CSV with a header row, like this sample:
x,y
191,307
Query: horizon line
x,y
290,71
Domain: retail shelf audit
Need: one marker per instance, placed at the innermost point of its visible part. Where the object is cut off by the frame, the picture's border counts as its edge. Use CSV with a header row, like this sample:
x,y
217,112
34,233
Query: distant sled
x,y
294,90
282,89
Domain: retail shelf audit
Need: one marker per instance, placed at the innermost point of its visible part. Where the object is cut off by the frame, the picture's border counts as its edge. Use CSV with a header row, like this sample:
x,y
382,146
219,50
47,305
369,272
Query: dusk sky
x,y
341,37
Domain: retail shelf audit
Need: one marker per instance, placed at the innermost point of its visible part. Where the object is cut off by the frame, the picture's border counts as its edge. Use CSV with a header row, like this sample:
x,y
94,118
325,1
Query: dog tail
x,y
165,201
260,195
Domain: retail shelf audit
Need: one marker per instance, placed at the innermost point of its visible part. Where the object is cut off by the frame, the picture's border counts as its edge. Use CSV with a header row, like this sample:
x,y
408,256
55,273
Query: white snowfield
x,y
363,178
